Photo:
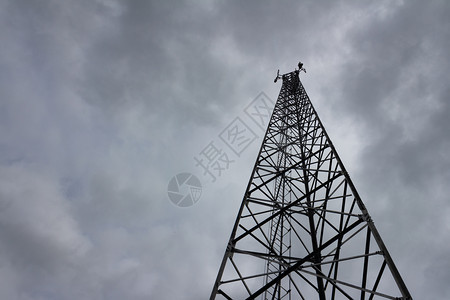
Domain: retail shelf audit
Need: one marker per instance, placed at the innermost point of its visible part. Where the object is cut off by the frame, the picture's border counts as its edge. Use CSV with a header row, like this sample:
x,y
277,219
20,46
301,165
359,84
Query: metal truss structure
x,y
302,231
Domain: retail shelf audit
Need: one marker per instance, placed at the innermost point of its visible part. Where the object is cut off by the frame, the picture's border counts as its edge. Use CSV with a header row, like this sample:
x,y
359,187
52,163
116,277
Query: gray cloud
x,y
102,102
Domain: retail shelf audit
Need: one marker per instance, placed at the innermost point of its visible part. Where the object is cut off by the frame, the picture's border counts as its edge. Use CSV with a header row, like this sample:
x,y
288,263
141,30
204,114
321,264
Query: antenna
x,y
278,76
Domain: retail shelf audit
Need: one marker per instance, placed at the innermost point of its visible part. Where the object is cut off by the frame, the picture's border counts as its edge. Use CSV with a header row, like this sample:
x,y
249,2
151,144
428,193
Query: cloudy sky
x,y
103,102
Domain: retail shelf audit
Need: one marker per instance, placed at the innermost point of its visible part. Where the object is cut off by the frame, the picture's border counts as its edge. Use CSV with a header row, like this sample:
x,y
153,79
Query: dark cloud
x,y
102,102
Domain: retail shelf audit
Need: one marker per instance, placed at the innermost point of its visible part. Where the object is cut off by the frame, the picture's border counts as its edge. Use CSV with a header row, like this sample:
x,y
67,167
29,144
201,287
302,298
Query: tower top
x,y
302,230
300,68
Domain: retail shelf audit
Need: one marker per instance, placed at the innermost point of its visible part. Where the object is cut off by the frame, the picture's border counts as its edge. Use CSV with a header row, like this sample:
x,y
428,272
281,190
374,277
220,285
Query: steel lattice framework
x,y
302,231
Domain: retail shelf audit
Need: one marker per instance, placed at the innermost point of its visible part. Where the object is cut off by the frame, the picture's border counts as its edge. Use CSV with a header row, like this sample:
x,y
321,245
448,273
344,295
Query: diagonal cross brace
x,y
305,259
282,210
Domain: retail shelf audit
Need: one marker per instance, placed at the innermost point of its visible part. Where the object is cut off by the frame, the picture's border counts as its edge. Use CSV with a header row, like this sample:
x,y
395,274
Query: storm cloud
x,y
103,102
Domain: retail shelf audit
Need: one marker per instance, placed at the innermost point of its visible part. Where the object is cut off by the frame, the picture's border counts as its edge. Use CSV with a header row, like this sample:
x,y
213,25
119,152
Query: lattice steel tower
x,y
302,231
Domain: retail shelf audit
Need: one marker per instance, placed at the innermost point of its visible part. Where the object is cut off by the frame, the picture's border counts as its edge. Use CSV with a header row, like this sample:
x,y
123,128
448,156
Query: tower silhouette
x,y
302,230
